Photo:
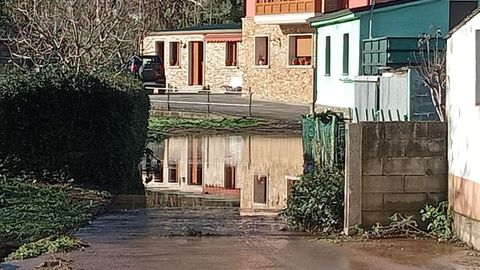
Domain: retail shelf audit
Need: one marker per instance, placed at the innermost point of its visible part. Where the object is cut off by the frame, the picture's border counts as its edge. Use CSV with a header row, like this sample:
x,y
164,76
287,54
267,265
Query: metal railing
x,y
204,99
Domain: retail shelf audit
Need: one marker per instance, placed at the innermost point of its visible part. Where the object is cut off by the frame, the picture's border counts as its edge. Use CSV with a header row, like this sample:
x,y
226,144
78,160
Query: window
x,y
327,55
172,172
160,49
158,172
477,71
345,53
261,51
174,54
195,168
231,59
300,50
260,188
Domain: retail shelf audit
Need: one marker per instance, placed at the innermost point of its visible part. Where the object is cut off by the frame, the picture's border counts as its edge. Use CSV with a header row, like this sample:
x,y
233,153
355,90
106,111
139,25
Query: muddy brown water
x,y
219,238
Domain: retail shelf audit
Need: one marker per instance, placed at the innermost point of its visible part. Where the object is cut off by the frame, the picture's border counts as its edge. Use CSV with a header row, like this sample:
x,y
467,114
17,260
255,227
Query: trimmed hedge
x,y
62,125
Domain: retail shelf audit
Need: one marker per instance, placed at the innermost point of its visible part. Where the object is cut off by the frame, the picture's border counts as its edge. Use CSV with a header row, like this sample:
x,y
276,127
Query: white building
x,y
463,109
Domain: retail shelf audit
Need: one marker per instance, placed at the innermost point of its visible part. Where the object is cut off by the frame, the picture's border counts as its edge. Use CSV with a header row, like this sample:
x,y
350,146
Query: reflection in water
x,y
258,170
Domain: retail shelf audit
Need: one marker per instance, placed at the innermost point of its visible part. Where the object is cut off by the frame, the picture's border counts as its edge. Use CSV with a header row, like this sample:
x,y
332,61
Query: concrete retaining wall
x,y
394,167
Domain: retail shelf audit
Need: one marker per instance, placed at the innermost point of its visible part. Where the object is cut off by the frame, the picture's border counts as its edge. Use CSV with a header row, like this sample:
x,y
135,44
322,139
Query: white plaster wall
x,y
337,90
463,114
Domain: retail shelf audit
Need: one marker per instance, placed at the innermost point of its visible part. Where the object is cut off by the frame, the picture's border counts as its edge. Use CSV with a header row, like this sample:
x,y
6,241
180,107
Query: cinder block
x,y
392,148
437,165
381,184
370,218
404,201
437,197
437,130
398,130
372,201
420,129
426,183
372,166
404,166
426,148
373,130
373,137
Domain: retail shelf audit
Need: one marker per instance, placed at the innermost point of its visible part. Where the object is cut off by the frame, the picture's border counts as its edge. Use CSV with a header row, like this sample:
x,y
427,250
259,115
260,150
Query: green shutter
x,y
345,53
327,55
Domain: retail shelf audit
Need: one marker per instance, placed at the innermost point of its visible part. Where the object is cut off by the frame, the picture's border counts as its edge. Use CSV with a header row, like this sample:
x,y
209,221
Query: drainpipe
x,y
370,23
315,69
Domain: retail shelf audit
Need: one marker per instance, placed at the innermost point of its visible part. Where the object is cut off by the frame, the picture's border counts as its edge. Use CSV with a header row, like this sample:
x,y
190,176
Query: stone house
x,y
278,48
204,57
358,43
463,111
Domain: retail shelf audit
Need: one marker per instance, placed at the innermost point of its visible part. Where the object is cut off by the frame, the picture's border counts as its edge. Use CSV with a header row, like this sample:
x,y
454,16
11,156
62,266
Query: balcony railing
x,y
271,7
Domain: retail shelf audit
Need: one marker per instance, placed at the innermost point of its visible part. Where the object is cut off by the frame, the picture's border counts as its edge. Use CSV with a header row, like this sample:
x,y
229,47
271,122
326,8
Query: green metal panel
x,y
390,52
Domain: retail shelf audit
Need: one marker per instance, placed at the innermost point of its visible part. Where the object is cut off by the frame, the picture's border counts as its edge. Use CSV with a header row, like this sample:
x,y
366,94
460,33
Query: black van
x,y
149,68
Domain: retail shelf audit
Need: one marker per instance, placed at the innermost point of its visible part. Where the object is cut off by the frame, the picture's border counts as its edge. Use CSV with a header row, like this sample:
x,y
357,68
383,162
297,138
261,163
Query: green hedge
x,y
62,125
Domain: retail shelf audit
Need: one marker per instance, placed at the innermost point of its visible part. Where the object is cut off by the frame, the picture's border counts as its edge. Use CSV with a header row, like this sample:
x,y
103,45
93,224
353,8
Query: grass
x,y
31,212
161,124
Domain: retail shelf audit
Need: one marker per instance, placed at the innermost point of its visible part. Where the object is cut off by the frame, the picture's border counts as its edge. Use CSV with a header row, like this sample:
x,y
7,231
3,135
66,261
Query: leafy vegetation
x,y
437,216
60,125
30,212
439,220
162,124
316,202
44,246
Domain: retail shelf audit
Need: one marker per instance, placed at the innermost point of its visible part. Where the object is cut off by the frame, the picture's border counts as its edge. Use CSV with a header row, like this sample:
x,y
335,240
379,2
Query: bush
x,y
316,202
64,125
439,220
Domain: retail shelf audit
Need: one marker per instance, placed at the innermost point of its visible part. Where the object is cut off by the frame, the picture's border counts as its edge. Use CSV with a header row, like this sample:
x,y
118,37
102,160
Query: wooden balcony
x,y
275,7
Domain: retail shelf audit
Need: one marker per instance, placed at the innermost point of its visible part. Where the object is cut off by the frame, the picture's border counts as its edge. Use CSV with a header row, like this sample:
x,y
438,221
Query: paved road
x,y
164,239
260,109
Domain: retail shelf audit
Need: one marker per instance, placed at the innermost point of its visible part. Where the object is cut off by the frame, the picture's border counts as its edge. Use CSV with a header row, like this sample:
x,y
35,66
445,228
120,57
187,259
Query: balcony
x,y
275,11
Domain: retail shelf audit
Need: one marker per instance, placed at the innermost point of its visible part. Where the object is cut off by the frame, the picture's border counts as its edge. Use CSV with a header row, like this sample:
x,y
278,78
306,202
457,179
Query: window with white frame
x,y
300,50
262,51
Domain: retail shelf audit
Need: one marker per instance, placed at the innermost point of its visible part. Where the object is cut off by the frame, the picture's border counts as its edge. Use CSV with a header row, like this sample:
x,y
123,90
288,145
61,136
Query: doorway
x,y
230,176
195,63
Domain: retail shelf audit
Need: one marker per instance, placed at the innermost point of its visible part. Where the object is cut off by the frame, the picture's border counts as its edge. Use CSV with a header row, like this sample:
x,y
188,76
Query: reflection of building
x,y
261,167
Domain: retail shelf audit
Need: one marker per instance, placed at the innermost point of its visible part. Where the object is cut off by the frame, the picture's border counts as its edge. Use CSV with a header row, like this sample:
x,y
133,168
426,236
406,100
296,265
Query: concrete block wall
x,y
394,167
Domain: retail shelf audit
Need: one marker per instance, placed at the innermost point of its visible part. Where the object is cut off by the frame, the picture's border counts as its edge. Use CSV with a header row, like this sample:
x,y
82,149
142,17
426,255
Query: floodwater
x,y
255,170
219,238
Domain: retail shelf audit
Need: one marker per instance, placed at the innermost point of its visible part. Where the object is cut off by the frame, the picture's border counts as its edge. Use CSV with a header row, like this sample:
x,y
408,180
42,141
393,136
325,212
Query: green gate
x,y
323,141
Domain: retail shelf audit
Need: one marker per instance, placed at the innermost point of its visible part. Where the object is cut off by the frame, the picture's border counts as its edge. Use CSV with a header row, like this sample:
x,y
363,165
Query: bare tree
x,y
433,71
77,34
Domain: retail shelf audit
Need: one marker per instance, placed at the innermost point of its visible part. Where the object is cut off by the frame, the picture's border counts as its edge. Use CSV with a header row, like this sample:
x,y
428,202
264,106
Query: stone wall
x,y
216,73
176,76
278,81
394,167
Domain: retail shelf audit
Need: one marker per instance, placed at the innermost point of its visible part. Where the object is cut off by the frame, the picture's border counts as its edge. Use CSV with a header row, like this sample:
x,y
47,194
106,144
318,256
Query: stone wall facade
x,y
176,76
394,167
278,81
217,74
